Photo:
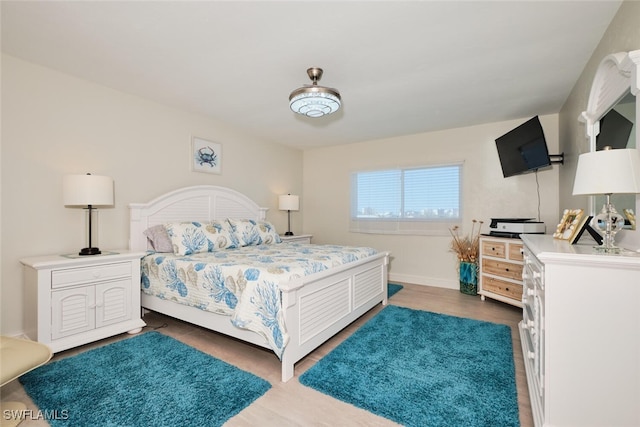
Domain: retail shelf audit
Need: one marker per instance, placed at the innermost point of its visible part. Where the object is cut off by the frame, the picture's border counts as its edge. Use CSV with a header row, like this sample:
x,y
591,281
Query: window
x,y
423,200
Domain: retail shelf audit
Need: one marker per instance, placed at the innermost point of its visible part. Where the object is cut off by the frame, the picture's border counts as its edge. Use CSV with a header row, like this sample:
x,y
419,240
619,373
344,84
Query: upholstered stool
x,y
17,357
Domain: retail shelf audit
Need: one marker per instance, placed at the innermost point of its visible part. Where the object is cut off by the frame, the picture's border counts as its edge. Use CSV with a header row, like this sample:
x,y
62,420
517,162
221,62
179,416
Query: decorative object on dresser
x,y
302,238
586,227
467,248
288,203
607,172
570,224
88,191
501,269
630,218
72,300
579,334
303,307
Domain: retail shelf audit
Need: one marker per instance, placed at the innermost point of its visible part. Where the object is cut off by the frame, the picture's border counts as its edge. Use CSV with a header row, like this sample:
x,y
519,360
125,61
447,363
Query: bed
x,y
312,306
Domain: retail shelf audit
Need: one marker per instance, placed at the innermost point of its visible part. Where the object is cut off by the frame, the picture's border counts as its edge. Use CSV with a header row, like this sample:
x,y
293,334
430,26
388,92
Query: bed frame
x,y
315,307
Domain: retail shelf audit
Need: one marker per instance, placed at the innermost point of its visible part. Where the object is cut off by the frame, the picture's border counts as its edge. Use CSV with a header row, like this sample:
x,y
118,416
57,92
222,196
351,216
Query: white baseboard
x,y
425,281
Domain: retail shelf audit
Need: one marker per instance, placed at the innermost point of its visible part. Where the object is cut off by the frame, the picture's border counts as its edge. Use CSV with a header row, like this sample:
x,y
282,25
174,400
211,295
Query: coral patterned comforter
x,y
243,282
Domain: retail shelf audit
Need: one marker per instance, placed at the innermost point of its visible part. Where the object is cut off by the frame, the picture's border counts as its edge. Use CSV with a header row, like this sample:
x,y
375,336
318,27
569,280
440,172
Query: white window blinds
x,y
422,200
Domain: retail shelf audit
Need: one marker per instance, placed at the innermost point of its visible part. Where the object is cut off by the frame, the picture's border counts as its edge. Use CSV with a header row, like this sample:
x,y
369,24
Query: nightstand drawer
x,y
81,275
501,268
501,287
494,249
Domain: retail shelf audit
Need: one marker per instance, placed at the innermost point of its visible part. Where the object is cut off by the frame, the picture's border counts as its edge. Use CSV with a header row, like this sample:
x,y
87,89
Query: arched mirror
x,y
611,120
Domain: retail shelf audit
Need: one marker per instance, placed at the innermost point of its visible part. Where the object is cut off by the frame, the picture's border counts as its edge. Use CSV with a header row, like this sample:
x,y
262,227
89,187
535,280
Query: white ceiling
x,y
401,67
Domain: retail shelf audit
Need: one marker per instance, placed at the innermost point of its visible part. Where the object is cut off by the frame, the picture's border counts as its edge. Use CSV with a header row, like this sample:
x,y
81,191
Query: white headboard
x,y
197,203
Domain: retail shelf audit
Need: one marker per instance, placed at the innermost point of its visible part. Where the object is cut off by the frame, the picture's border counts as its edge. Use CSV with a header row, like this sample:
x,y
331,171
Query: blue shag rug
x,y
419,368
392,289
147,380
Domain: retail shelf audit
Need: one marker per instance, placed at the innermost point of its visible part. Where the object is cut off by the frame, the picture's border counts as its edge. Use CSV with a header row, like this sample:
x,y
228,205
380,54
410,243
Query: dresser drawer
x,y
516,252
80,275
494,249
502,268
501,287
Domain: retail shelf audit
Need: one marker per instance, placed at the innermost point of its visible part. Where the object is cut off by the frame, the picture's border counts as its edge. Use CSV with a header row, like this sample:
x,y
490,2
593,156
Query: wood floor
x,y
292,404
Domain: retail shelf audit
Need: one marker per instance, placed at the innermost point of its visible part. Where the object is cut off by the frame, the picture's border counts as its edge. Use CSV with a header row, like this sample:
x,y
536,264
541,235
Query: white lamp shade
x,y
84,190
288,202
608,172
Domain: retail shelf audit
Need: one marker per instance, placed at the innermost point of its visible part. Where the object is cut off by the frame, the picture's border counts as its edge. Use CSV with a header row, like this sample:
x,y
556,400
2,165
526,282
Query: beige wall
x,y
486,194
623,35
54,124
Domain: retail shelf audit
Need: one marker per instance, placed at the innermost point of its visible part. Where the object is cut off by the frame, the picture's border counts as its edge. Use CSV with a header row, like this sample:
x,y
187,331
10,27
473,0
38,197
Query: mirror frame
x,y
617,75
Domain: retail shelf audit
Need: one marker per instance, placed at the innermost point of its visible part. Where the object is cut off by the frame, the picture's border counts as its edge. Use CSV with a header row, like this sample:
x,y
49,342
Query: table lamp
x,y
608,172
288,203
88,191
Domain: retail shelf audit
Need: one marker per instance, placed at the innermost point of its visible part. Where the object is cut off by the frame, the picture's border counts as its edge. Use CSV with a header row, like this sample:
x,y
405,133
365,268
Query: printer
x,y
514,227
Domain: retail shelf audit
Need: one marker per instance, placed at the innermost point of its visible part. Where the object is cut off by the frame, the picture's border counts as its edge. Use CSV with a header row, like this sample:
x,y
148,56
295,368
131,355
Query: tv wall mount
x,y
557,158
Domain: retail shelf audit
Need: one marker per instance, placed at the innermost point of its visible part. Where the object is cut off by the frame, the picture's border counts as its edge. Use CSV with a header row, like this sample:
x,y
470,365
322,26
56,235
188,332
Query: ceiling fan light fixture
x,y
314,100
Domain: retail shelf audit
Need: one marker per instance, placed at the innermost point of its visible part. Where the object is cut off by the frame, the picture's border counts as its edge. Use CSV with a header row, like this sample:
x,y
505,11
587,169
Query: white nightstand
x,y
303,238
72,300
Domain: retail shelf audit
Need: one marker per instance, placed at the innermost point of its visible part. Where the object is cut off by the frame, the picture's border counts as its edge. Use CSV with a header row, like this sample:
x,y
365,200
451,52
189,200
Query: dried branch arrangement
x,y
467,247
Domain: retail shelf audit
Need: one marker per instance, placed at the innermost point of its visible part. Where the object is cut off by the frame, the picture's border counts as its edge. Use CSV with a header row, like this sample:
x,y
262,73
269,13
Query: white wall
x,y
55,124
486,194
623,35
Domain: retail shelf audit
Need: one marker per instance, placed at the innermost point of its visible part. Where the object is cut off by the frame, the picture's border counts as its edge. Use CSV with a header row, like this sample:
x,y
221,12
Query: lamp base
x,y
89,251
608,223
288,233
607,250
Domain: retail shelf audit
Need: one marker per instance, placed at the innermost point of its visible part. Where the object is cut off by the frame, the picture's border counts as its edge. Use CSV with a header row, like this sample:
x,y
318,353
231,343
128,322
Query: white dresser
x,y
581,334
73,300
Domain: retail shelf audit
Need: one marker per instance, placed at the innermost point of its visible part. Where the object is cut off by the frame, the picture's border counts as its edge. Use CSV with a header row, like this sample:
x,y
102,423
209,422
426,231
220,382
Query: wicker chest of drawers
x,y
501,264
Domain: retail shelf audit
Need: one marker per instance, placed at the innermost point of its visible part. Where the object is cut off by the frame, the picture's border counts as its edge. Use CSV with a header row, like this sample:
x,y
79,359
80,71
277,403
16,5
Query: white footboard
x,y
317,309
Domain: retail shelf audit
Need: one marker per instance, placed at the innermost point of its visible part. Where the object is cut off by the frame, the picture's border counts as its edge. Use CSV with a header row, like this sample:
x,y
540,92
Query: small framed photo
x,y
571,223
206,156
630,218
585,225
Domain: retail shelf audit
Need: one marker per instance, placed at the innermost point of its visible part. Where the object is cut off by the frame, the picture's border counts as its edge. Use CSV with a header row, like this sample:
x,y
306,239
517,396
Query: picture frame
x,y
586,226
206,156
630,218
571,223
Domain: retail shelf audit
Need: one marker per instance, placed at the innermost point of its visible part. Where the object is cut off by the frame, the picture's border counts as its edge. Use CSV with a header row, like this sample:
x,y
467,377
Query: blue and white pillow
x,y
250,232
193,237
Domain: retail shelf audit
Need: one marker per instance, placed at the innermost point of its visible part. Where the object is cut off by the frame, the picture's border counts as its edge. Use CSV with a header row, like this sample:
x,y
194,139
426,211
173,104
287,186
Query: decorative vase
x,y
468,278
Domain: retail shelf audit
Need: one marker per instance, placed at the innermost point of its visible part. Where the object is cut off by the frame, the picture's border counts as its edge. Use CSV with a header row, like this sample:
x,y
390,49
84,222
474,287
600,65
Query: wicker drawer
x,y
501,287
494,249
502,268
82,275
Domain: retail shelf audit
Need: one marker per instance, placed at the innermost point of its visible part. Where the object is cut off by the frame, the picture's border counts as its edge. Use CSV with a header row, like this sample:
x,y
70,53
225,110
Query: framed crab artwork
x,y
206,156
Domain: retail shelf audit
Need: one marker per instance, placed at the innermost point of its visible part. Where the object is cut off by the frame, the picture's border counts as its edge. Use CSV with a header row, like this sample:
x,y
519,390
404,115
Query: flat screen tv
x,y
523,149
614,131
